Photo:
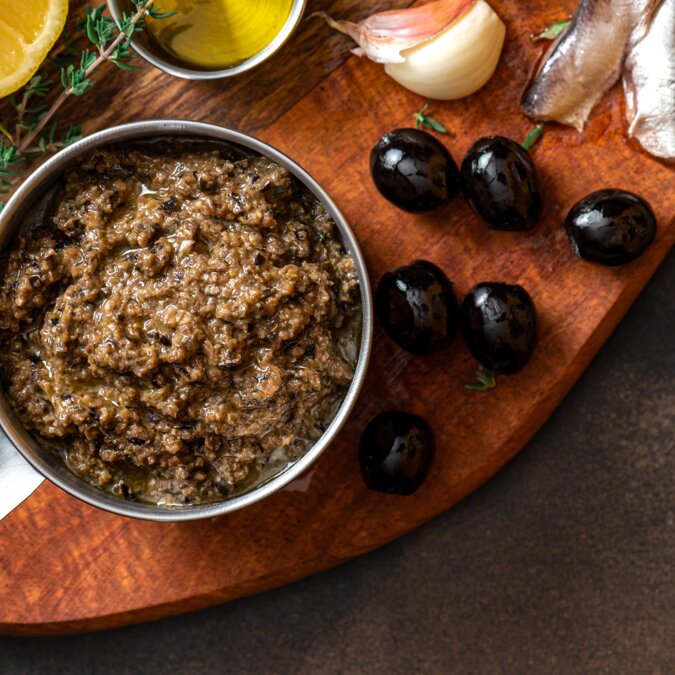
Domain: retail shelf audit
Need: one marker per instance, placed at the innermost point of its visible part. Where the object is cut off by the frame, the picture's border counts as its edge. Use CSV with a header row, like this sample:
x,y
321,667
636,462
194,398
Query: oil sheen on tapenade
x,y
181,324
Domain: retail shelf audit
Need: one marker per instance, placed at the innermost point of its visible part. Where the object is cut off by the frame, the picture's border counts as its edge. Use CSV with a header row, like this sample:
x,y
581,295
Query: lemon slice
x,y
28,30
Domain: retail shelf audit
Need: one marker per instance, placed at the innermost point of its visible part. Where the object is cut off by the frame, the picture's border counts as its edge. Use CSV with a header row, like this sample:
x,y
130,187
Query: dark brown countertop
x,y
563,563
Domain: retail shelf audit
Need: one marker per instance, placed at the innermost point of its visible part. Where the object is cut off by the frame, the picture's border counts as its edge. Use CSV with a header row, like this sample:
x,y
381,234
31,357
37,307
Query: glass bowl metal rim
x,y
48,465
166,65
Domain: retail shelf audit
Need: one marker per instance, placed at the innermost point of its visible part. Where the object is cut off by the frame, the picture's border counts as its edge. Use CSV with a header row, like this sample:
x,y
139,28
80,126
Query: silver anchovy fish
x,y
587,59
649,85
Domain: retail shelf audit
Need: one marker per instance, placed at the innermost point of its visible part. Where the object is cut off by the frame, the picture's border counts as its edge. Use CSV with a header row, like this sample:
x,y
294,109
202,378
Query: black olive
x,y
417,307
413,170
611,227
500,183
396,452
499,324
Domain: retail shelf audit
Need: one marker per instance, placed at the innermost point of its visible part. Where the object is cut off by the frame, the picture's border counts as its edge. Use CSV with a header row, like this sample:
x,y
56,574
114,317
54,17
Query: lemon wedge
x,y
28,30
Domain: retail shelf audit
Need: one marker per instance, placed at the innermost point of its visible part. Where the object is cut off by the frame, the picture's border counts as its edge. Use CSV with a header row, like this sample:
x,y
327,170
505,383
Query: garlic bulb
x,y
456,62
442,50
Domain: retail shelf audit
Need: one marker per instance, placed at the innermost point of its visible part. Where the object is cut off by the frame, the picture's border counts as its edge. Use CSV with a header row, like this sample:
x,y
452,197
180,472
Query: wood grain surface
x,y
67,567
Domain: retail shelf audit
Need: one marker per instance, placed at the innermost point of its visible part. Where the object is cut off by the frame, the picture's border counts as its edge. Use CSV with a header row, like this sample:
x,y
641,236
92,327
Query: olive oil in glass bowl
x,y
208,39
216,34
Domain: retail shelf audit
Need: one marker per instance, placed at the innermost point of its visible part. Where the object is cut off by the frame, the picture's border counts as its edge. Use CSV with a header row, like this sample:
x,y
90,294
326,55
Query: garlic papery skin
x,y
456,62
382,36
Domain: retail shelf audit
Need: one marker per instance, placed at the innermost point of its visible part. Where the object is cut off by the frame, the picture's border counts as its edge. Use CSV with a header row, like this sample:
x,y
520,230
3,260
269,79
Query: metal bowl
x,y
150,49
51,466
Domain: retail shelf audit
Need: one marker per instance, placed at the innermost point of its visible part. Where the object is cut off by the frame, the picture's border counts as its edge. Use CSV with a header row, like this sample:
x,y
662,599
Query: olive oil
x,y
216,34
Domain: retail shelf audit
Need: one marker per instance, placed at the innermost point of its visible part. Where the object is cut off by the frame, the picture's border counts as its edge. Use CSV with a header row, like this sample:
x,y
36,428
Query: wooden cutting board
x,y
67,567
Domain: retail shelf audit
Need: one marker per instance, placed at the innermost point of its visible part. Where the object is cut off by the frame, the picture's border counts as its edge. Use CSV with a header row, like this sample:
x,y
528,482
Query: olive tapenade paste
x,y
180,324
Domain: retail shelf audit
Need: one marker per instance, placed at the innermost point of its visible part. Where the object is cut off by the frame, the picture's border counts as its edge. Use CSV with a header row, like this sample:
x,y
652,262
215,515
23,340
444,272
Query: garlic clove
x,y
457,61
382,36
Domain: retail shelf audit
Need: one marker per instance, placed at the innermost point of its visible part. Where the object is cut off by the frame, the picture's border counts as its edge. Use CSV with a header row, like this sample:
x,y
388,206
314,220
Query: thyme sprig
x,y
32,131
424,119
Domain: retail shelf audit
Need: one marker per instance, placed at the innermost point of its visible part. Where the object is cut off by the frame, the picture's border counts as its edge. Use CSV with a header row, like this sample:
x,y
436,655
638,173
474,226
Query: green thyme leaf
x,y
159,15
87,60
553,31
533,137
437,126
73,133
65,75
125,66
486,380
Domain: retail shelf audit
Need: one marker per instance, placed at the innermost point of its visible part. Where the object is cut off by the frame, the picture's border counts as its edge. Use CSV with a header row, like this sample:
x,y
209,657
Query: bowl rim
x,y
292,21
48,465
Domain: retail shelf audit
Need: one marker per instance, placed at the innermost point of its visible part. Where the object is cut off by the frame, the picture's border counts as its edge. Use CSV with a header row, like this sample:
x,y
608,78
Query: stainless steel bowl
x,y
153,52
53,468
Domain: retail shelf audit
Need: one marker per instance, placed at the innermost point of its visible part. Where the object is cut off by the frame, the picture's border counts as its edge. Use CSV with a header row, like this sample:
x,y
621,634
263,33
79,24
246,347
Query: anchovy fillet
x,y
587,59
649,85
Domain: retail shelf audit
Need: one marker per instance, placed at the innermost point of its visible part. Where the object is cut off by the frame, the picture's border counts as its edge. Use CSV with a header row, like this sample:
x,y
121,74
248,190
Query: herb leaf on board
x,y
553,31
424,119
486,380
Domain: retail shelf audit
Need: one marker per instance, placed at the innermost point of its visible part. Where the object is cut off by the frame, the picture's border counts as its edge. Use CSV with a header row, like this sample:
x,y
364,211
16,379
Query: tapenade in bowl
x,y
185,320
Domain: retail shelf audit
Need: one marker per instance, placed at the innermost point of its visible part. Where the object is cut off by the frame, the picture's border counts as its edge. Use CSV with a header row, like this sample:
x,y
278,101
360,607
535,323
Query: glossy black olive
x,y
413,170
417,307
499,324
500,183
611,227
396,452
